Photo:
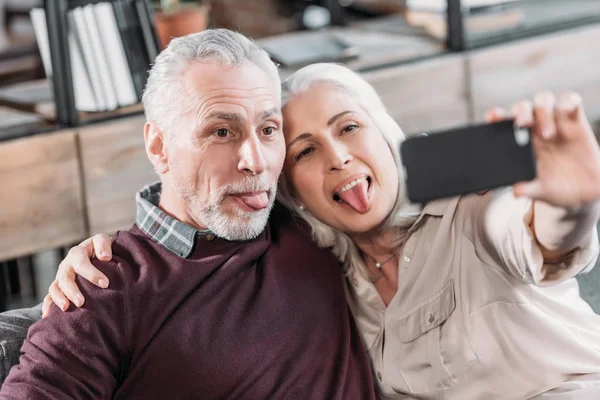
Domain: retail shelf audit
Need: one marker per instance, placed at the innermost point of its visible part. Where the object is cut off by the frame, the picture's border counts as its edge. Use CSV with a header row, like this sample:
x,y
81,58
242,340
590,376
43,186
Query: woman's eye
x,y
268,131
222,133
350,128
303,153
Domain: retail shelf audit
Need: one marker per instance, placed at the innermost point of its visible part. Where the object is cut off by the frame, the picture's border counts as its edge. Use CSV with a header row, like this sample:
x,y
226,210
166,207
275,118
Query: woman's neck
x,y
377,245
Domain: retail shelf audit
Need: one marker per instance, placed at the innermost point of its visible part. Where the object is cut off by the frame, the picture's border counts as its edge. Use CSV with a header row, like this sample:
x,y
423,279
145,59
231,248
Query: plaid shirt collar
x,y
165,230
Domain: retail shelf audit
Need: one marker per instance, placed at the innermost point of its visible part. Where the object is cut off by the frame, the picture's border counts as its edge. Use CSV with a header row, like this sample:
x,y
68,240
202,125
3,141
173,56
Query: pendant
x,y
377,265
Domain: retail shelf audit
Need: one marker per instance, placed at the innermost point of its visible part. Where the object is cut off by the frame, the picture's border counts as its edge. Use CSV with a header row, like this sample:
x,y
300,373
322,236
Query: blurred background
x,y
72,74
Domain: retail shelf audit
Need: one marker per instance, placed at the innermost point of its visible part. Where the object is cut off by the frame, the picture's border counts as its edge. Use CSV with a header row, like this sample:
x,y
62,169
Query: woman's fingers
x,y
522,112
66,284
84,268
570,117
64,288
496,114
543,111
47,305
78,260
101,246
58,297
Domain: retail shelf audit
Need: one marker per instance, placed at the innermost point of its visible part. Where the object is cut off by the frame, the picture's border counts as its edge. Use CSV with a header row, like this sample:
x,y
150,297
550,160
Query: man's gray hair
x,y
164,96
404,214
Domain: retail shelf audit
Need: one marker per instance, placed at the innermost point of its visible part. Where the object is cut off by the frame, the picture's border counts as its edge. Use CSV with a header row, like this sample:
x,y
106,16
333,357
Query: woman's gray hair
x,y
404,213
164,99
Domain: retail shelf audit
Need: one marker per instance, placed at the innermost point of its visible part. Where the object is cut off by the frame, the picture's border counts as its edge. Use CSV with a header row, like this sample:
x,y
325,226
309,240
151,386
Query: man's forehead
x,y
237,113
209,76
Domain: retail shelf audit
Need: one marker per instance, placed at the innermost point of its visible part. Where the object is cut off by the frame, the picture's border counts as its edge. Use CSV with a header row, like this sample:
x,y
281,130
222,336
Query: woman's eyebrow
x,y
337,116
303,136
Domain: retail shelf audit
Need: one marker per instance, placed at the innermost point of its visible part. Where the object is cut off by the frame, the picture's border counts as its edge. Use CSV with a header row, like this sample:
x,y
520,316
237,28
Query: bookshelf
x,y
134,35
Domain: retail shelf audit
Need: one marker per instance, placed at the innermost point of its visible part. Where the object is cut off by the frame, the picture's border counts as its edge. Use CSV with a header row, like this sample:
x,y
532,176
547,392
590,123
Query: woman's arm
x,y
560,231
550,226
567,189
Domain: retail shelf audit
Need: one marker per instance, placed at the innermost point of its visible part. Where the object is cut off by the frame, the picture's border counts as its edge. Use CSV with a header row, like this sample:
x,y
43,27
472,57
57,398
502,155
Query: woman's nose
x,y
340,158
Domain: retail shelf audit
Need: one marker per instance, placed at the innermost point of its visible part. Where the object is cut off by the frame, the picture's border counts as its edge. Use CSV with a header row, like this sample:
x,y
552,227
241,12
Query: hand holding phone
x,y
467,160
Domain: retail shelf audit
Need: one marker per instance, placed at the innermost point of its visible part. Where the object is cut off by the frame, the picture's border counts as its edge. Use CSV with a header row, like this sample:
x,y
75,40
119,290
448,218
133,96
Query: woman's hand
x,y
64,289
566,191
568,156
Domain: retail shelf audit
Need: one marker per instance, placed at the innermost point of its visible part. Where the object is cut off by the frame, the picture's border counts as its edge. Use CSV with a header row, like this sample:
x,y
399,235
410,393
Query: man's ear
x,y
155,147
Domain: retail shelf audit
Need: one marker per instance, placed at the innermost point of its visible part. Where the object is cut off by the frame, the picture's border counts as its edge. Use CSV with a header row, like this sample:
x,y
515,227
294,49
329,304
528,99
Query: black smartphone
x,y
466,160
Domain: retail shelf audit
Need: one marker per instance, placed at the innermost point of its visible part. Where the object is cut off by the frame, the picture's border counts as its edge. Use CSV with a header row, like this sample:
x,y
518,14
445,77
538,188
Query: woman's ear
x,y
155,147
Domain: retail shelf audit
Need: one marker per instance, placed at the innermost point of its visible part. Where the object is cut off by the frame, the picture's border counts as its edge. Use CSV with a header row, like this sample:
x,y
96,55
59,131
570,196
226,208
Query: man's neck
x,y
173,205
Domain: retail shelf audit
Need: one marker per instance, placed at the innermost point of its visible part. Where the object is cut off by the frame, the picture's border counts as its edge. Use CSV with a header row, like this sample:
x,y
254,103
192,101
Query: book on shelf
x,y
111,47
132,38
484,16
100,56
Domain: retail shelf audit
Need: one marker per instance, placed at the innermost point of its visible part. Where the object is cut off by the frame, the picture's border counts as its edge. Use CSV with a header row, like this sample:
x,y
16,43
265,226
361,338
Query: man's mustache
x,y
248,185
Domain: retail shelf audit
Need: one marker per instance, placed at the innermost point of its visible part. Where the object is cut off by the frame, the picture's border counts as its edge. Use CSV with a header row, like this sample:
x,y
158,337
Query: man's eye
x,y
268,131
350,128
222,133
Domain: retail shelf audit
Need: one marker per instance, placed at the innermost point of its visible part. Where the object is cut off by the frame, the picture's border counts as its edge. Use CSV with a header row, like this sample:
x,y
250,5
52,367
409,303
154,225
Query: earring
x,y
301,207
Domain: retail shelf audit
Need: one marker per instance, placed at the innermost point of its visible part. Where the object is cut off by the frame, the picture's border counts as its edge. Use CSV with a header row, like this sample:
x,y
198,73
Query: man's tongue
x,y
257,201
357,197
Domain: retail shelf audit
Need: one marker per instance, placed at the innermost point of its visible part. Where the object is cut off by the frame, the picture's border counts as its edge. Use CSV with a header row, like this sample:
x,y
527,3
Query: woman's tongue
x,y
357,197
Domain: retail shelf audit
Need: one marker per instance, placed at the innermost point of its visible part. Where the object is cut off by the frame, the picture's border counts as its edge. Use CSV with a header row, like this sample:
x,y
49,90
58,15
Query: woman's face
x,y
338,163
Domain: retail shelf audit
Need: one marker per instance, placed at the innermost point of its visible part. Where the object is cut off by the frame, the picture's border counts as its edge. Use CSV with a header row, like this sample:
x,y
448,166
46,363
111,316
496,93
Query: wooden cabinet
x,y
115,166
41,195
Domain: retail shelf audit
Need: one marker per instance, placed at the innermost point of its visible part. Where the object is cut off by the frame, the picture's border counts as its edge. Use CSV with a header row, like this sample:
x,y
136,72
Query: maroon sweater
x,y
264,319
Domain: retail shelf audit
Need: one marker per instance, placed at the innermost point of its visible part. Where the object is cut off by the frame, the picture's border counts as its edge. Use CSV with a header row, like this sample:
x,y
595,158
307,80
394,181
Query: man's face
x,y
225,154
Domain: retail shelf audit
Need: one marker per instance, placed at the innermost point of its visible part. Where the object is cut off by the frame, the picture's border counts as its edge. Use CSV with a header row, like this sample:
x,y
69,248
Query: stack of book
x,y
479,16
111,46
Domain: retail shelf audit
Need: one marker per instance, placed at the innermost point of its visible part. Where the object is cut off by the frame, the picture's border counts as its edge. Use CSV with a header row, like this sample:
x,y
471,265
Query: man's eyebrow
x,y
235,117
303,136
263,116
336,117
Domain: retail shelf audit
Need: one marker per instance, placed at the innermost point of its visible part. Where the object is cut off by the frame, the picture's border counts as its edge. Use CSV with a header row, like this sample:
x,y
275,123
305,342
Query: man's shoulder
x,y
131,252
293,236
283,221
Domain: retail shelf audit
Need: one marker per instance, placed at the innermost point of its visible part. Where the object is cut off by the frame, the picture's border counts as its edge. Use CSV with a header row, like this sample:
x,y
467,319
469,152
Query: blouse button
x,y
407,259
431,318
379,376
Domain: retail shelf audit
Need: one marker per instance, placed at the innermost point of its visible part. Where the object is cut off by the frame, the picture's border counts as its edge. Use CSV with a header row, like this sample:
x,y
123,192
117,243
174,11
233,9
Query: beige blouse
x,y
478,315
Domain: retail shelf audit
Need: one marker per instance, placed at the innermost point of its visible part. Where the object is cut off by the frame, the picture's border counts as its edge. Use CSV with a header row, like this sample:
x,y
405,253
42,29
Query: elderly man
x,y
208,297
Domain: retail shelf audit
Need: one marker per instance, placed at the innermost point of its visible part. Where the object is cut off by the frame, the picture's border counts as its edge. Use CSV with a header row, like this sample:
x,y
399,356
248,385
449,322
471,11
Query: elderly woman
x,y
470,297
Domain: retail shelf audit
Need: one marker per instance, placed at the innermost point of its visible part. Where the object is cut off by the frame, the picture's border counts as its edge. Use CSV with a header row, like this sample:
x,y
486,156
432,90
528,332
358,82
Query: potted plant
x,y
176,18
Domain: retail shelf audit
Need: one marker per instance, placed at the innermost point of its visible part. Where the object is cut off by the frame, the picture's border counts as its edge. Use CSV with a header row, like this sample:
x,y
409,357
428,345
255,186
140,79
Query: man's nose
x,y
252,160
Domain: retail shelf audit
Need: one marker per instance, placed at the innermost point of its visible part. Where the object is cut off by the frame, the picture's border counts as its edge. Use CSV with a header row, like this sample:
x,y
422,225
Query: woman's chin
x,y
361,224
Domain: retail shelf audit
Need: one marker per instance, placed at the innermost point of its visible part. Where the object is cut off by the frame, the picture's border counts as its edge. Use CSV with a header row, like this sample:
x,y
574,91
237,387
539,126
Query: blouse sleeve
x,y
503,236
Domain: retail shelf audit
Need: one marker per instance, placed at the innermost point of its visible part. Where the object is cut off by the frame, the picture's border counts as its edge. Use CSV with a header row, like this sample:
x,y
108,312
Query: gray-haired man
x,y
209,298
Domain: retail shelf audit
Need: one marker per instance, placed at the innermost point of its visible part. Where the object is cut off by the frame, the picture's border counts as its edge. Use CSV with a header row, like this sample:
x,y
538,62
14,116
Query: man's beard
x,y
237,225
